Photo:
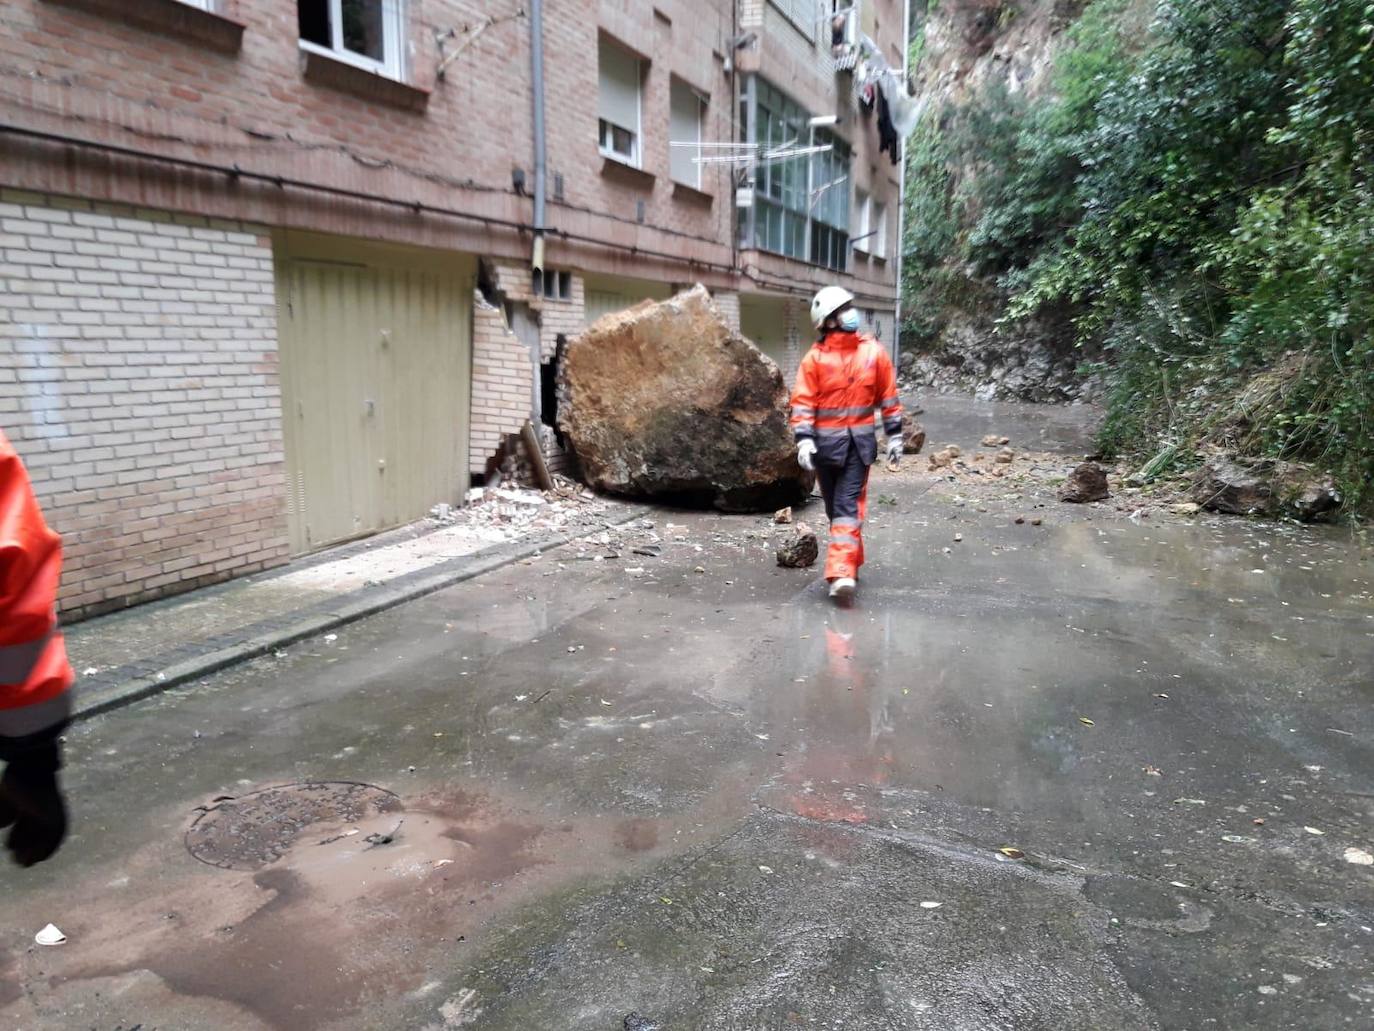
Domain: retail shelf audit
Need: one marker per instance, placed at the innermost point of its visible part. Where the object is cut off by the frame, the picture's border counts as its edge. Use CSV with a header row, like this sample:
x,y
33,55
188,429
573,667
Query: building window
x,y
878,244
366,33
830,203
552,285
801,13
801,204
619,103
204,5
687,120
780,208
863,216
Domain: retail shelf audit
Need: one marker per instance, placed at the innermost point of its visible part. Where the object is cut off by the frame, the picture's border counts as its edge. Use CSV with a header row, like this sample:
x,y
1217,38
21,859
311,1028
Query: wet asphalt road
x,y
598,799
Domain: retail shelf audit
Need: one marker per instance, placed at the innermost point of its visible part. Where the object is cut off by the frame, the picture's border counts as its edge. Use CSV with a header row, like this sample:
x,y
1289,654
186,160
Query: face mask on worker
x,y
849,321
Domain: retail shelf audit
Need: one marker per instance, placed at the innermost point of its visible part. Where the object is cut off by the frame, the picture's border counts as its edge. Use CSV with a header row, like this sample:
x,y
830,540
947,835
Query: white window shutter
x,y
684,127
618,100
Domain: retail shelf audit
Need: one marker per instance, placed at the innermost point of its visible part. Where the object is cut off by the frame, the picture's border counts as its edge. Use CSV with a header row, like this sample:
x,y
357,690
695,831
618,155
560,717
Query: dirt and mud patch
x,y
298,906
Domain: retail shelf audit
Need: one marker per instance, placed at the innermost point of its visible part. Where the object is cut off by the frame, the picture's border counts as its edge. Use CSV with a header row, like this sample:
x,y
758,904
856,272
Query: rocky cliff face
x,y
969,49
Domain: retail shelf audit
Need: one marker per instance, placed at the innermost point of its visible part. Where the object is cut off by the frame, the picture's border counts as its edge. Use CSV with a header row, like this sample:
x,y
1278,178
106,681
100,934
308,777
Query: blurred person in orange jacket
x,y
843,379
35,677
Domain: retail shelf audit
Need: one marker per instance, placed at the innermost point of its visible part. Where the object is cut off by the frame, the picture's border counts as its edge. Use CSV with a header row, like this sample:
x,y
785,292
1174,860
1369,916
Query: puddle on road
x,y
320,900
299,923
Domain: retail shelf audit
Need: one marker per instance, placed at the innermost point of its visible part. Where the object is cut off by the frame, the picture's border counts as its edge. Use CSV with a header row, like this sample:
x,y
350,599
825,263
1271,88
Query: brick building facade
x,y
266,264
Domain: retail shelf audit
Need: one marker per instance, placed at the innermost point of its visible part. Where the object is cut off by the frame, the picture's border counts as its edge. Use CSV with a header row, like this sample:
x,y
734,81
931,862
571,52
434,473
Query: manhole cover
x,y
251,831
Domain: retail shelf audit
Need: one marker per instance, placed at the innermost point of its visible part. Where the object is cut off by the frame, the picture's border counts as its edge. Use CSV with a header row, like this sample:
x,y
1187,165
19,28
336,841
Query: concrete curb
x,y
360,605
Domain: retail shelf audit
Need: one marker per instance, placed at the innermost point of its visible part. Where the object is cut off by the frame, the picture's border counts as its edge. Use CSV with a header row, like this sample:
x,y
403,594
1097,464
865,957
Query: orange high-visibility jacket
x,y
842,380
34,672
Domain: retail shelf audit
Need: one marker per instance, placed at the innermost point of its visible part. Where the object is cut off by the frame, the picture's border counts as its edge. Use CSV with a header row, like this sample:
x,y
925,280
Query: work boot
x,y
842,589
31,802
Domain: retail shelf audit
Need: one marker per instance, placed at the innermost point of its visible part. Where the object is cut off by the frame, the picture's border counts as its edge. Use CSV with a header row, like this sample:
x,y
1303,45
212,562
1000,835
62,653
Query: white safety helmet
x,y
827,302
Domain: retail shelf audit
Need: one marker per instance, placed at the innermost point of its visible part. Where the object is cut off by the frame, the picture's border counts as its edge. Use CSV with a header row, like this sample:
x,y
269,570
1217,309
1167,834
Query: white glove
x,y
894,449
806,454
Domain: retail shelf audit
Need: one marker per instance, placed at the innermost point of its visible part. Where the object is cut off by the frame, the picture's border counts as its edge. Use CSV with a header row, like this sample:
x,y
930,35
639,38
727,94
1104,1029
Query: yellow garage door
x,y
763,320
376,383
607,294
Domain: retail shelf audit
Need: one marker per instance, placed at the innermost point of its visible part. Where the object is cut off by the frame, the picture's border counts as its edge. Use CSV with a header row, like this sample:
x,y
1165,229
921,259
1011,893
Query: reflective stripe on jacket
x,y
841,382
34,672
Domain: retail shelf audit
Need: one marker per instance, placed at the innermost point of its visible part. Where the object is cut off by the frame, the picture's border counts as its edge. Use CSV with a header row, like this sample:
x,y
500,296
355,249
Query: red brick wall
x,y
72,72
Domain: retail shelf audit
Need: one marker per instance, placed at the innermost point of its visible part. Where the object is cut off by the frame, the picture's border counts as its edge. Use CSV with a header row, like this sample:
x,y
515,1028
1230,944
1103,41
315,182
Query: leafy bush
x,y
1200,195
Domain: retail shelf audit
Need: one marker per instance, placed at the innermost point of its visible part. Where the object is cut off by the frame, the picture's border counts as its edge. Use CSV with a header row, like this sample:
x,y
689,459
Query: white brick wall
x,y
138,381
502,383
799,336
728,304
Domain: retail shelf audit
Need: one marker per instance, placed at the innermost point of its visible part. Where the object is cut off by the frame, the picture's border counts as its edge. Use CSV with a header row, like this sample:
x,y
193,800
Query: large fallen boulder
x,y
665,401
1266,487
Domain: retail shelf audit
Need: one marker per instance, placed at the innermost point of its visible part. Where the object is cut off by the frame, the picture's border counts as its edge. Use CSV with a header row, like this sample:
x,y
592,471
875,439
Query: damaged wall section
x,y
508,386
502,378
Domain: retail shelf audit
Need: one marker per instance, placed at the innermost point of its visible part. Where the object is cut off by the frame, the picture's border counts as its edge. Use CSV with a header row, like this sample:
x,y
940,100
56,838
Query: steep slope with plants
x,y
1167,205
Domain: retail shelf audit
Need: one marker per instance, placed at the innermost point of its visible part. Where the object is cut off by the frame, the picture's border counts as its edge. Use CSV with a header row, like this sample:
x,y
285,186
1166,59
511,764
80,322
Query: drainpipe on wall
x,y
901,196
540,142
540,185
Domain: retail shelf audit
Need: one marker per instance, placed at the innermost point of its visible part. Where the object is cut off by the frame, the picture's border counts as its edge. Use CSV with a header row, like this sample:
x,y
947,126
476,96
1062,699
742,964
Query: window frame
x,y
203,5
635,159
392,66
863,209
797,18
783,219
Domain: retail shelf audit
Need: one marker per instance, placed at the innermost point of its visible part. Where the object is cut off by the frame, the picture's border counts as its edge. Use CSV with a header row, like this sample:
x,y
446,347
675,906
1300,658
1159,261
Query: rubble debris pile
x,y
665,401
511,513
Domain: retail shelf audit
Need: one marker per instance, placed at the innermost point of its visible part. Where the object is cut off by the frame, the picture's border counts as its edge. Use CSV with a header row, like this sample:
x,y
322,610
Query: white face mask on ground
x,y
849,321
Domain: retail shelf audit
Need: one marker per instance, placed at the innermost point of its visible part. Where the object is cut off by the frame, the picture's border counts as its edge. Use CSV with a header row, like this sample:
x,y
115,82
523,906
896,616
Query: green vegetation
x,y
1197,193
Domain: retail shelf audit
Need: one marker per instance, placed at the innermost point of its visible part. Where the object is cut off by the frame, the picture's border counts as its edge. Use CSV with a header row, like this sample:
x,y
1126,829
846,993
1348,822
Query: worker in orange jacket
x,y
35,677
842,380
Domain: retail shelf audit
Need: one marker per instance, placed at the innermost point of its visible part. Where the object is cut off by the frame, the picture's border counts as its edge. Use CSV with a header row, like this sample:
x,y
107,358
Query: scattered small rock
x,y
993,440
1186,508
1087,482
783,516
801,551
1005,456
913,436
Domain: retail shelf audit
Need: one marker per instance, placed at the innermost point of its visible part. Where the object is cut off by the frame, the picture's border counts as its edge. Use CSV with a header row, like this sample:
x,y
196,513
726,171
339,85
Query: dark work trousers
x,y
845,490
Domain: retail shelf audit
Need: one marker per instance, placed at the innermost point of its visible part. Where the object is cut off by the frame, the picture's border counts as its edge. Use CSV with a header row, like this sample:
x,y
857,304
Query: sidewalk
x,y
127,655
